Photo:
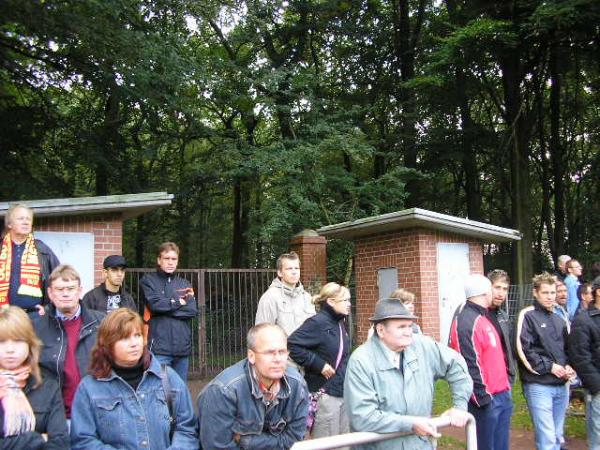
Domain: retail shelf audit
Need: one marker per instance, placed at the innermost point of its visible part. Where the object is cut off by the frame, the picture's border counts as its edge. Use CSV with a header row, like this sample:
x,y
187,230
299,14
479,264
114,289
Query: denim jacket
x,y
233,403
107,413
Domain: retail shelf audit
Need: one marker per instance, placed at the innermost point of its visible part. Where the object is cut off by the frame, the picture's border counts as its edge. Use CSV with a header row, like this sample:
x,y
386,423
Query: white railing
x,y
350,439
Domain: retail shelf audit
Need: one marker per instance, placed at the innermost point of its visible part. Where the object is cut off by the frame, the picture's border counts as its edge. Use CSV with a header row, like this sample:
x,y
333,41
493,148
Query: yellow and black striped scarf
x,y
31,273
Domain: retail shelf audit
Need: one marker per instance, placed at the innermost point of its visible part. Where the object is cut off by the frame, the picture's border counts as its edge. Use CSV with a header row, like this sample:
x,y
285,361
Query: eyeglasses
x,y
273,353
341,300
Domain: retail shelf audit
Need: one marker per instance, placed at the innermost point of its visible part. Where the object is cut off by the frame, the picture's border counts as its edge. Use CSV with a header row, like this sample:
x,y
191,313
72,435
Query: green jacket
x,y
379,398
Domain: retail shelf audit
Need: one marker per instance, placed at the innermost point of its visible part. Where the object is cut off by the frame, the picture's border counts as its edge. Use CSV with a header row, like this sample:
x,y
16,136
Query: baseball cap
x,y
114,261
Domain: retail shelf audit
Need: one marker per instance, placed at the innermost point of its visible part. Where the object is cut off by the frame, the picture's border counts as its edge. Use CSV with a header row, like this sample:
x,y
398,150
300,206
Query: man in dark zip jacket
x,y
67,331
543,363
172,305
584,353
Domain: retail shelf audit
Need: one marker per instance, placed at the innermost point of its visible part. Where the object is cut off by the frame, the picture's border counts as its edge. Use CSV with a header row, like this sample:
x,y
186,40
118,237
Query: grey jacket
x,y
381,398
286,307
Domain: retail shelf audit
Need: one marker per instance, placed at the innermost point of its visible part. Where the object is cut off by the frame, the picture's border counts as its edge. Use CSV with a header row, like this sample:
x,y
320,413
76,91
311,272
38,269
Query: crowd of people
x,y
88,372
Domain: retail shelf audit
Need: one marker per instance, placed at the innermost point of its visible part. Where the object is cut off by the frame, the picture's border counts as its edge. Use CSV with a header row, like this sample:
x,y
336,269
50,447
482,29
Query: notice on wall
x,y
76,249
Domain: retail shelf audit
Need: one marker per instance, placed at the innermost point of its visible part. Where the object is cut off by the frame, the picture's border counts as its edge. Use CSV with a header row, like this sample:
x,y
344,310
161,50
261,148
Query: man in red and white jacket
x,y
476,338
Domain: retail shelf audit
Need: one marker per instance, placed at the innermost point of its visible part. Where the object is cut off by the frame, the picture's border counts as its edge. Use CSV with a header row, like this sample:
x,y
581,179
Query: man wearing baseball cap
x,y
390,381
111,294
475,336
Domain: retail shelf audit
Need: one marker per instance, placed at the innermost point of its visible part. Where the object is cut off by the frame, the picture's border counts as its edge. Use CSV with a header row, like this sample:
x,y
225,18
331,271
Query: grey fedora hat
x,y
391,308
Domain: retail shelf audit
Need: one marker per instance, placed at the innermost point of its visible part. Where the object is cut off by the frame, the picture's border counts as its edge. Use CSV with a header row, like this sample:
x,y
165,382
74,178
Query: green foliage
x,y
264,118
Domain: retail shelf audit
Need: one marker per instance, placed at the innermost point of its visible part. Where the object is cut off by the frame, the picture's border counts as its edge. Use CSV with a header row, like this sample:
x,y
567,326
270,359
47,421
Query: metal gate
x,y
227,302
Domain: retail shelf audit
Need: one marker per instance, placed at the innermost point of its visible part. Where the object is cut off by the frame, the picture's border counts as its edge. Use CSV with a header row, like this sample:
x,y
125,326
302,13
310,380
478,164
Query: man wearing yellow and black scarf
x,y
25,263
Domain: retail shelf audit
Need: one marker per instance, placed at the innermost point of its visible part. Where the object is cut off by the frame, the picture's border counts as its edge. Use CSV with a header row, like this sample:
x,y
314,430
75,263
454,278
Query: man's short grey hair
x,y
562,259
253,333
11,211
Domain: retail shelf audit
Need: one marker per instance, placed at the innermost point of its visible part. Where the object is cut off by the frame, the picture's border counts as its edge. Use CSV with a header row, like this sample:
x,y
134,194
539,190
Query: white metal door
x,y
76,249
453,268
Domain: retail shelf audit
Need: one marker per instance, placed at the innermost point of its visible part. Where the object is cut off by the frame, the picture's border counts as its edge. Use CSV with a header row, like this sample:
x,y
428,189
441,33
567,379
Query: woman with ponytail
x,y
322,346
32,415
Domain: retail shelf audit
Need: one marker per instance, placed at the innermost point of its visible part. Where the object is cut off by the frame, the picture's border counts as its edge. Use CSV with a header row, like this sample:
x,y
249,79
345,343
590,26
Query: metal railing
x,y
350,439
227,302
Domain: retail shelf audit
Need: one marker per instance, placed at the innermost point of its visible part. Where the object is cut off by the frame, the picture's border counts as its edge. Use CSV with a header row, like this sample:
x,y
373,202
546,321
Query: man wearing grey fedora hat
x,y
390,380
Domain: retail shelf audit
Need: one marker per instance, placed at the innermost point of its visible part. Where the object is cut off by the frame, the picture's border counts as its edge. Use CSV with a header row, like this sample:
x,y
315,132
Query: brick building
x,y
418,250
82,231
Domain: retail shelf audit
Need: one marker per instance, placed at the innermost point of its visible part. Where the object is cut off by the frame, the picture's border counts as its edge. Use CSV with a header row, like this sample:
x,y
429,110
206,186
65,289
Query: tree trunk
x,y
519,165
559,164
107,147
405,42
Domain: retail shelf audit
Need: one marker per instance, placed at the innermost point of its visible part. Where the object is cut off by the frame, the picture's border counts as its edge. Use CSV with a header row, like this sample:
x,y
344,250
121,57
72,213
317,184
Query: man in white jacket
x,y
286,303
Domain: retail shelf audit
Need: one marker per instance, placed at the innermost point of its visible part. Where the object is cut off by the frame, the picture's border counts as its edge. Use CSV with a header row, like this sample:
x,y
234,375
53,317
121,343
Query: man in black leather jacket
x,y
111,294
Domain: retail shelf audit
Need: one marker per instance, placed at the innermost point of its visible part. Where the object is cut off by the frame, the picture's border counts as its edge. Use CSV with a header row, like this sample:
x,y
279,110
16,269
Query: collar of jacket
x,y
164,274
107,292
480,309
328,309
86,319
593,311
286,290
538,306
284,388
382,362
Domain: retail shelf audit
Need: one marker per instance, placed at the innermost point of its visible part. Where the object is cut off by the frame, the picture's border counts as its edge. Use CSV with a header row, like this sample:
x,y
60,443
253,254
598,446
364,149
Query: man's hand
x,y
558,370
423,426
40,309
458,417
570,372
328,371
184,294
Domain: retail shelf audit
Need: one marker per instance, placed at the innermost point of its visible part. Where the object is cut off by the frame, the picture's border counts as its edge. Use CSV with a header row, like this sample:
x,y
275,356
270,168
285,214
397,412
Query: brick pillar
x,y
312,250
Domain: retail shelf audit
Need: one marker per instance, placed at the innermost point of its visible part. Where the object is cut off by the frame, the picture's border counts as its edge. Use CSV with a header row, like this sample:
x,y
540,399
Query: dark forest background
x,y
267,117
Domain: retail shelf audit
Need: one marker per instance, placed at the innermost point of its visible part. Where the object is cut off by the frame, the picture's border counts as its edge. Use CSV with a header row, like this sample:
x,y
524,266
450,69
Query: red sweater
x,y
71,371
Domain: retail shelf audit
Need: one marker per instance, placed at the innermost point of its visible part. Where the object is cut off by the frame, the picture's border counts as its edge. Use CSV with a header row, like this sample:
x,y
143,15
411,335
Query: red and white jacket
x,y
474,336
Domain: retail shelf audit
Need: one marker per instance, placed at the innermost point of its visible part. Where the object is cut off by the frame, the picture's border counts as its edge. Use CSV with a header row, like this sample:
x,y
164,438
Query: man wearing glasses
x,y
259,402
68,331
574,271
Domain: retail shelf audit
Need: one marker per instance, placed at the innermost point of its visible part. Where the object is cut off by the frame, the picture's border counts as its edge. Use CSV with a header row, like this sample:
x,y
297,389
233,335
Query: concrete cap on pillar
x,y
307,233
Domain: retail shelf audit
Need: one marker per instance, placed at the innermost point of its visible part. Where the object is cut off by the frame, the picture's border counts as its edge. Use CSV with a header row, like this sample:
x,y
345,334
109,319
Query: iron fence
x,y
227,302
519,296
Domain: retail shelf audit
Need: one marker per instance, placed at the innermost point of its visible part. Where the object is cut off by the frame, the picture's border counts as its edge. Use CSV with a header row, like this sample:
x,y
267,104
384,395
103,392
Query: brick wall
x,y
312,250
414,253
107,229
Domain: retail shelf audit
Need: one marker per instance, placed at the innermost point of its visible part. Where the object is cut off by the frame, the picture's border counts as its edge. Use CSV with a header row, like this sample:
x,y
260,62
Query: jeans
x,y
547,407
179,364
592,412
493,422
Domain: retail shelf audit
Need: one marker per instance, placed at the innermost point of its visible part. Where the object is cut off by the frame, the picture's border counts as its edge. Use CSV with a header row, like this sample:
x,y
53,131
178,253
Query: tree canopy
x,y
267,117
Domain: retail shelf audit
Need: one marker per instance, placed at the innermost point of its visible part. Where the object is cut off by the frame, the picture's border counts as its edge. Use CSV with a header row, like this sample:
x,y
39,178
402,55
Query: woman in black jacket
x,y
32,415
322,346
